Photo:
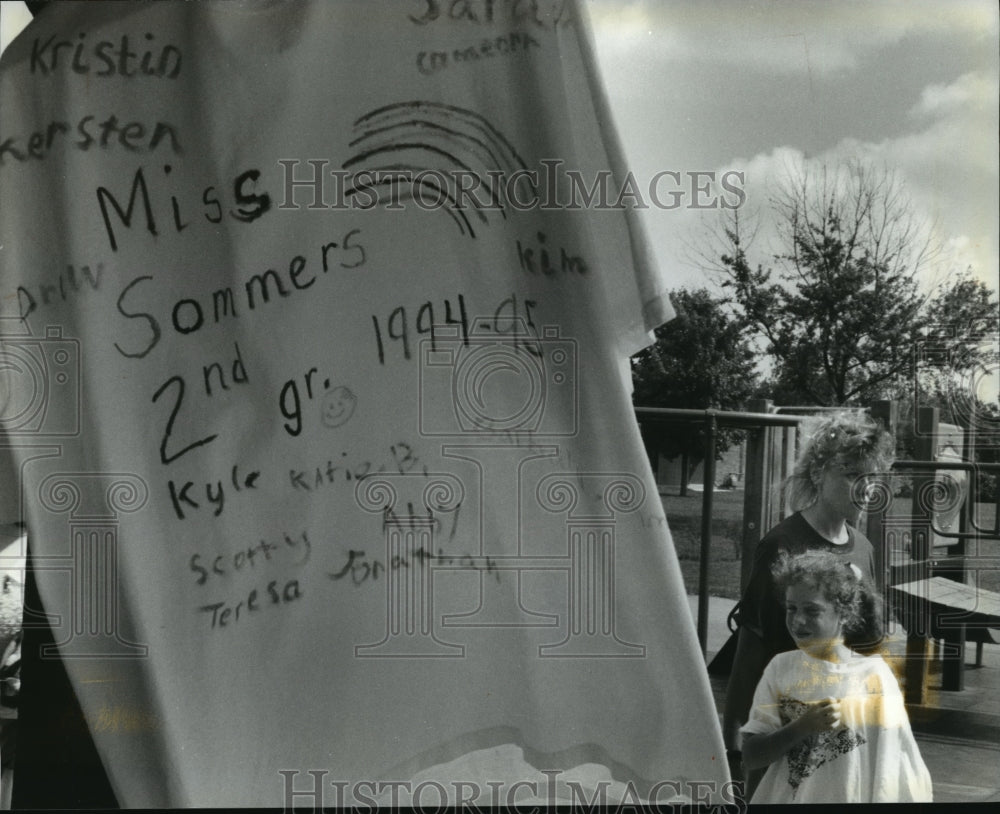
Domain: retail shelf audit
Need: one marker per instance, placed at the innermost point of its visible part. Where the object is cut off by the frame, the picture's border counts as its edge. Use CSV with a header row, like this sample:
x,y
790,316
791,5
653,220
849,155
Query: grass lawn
x,y
684,518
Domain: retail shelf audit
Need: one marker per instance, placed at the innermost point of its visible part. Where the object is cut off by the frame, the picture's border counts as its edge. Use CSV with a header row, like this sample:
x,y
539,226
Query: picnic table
x,y
957,612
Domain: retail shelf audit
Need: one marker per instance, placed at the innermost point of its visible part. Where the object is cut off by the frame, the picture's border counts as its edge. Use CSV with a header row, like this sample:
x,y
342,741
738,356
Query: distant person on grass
x,y
827,489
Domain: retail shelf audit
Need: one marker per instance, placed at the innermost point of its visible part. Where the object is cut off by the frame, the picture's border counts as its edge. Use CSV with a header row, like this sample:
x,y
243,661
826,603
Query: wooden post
x,y
969,546
918,632
756,492
781,469
887,413
706,531
953,661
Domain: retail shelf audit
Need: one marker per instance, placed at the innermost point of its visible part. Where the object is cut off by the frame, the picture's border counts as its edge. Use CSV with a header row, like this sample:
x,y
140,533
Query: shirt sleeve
x,y
646,305
764,713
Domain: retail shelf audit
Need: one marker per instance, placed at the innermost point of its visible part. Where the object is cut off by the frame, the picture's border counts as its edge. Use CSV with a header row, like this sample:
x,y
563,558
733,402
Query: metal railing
x,y
710,420
974,470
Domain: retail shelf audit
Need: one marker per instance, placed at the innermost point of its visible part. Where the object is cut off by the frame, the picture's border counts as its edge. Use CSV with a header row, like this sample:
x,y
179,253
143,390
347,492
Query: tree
x,y
701,359
840,310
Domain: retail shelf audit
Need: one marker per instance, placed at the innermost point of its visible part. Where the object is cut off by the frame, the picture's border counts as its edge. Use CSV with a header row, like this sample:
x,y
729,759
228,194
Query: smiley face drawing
x,y
337,407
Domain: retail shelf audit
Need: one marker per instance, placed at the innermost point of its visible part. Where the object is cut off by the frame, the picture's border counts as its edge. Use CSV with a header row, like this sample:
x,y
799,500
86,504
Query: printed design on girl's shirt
x,y
823,747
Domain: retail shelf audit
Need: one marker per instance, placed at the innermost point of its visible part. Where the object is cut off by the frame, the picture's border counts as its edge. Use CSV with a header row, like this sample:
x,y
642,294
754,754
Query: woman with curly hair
x,y
826,491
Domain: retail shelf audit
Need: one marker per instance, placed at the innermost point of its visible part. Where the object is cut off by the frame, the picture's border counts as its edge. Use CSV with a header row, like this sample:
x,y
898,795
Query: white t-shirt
x,y
332,472
872,758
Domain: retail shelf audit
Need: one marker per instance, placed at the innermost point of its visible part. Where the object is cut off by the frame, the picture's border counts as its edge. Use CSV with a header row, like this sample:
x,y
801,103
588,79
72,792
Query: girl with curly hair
x,y
828,723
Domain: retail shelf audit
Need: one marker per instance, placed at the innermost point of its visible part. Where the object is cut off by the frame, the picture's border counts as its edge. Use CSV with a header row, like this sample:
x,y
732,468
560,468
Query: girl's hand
x,y
821,717
759,751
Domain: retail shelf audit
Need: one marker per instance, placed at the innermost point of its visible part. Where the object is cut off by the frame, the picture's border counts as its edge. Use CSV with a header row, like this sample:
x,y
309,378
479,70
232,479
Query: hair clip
x,y
855,570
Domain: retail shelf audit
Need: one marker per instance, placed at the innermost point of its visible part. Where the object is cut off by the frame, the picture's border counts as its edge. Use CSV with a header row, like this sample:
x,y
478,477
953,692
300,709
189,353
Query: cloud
x,y
951,163
784,36
948,163
975,92
673,65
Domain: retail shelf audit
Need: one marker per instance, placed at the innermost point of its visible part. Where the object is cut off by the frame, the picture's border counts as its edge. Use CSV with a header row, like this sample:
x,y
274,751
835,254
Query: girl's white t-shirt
x,y
872,758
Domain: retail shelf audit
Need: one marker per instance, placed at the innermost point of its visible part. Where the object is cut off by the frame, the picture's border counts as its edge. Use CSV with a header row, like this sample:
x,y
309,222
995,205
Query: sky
x,y
773,87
